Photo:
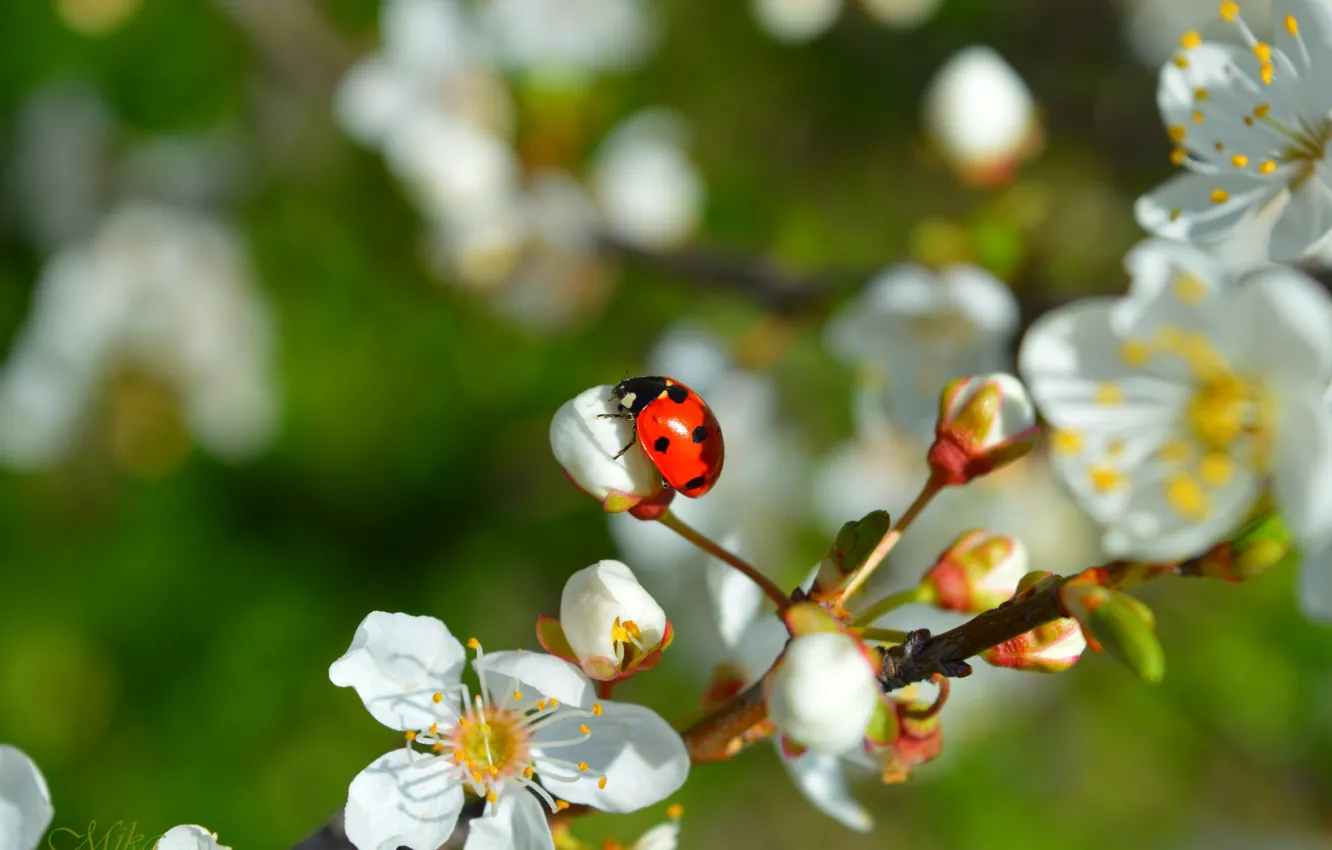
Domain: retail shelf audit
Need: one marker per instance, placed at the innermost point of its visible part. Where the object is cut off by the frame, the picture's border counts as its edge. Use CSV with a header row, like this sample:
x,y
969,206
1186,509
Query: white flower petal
x,y
983,297
536,671
664,836
734,596
796,20
823,693
1183,207
643,758
188,837
586,444
1315,587
978,109
1313,19
25,801
403,800
597,598
821,779
1306,219
517,821
1302,468
1285,320
397,663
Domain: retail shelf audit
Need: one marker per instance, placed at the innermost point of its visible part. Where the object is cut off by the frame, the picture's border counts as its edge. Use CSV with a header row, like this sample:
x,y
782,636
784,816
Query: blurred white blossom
x,y
1177,405
912,331
568,38
902,14
25,801
796,21
189,837
823,692
649,191
1152,27
156,291
981,116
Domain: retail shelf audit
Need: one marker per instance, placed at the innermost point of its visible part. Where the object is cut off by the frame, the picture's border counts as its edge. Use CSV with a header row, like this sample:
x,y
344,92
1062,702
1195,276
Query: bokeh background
x,y
313,419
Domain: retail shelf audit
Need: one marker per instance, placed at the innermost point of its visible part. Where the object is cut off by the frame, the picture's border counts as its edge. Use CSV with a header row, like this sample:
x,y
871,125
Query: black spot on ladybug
x,y
700,434
677,393
662,444
694,483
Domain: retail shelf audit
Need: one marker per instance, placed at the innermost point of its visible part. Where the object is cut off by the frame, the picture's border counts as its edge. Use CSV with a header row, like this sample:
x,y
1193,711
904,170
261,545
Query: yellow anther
x,y
473,643
596,709
601,783
1168,337
1105,479
1200,94
1263,51
541,705
527,772
491,797
1115,447
675,811
438,697
1267,167
1197,116
1176,132
1239,160
554,702
1176,213
582,765
1266,71
1181,62
561,805
517,694
464,722
583,728
1066,442
1135,352
437,747
1189,289
494,771
1175,451
434,728
409,735
1218,147
1190,40
1248,120
1220,196
1186,496
1178,156
1261,110
1229,10
476,777
1292,25
1108,392
1216,469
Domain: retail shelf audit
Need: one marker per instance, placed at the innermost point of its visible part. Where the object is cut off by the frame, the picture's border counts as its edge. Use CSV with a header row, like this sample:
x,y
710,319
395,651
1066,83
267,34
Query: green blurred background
x,y
165,635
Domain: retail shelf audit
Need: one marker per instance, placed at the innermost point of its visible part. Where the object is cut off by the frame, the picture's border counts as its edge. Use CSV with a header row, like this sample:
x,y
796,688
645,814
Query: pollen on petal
x,y
1216,469
1248,120
1176,213
1181,62
1105,479
1220,196
1239,160
1168,337
1066,442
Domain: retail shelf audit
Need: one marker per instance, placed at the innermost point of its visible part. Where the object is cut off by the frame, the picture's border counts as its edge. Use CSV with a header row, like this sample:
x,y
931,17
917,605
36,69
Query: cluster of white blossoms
x,y
796,21
26,810
156,293
508,216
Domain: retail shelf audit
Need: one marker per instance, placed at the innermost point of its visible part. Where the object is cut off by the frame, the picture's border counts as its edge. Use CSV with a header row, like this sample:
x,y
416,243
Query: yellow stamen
x,y
1104,479
1263,51
1108,392
1220,196
1292,25
1178,155
601,783
438,697
675,811
438,747
1066,442
473,643
583,728
527,772
1181,62
434,728
410,735
1186,496
1216,469
1200,94
517,695
1239,160
1176,213
561,805
582,765
491,797
596,709
1266,71
1175,451
1229,10
1176,132
1135,352
1261,110
1190,40
1197,116
1189,289
1267,167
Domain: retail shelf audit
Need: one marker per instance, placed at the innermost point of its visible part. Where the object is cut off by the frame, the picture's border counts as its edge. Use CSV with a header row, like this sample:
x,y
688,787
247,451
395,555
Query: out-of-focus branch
x,y
752,276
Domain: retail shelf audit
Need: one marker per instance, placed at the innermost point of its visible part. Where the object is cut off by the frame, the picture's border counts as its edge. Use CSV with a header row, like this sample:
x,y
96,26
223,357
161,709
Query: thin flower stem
x,y
892,602
931,489
883,635
775,593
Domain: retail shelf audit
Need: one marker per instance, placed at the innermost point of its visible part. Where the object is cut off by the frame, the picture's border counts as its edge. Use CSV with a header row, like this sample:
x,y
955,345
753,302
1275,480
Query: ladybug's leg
x,y
621,452
625,415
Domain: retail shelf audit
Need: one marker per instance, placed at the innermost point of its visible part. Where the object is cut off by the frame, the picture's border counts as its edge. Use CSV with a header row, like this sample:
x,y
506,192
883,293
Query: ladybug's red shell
x,y
677,430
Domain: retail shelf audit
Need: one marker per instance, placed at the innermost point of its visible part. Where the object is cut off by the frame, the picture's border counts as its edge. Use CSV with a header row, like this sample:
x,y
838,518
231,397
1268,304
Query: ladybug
x,y
676,428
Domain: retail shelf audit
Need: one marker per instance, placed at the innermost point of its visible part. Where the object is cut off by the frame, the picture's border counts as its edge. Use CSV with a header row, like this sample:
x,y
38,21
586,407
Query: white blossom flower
x,y
796,20
25,801
1152,27
1251,128
981,116
985,422
610,622
914,331
156,290
902,14
586,437
534,733
1175,405
568,37
823,692
189,837
649,192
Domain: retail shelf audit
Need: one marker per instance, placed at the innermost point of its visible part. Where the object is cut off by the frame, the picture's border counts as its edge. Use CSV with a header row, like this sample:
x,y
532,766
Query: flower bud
x,y
609,625
823,692
984,423
978,572
1118,623
1260,545
849,550
919,736
794,21
1051,648
981,117
586,443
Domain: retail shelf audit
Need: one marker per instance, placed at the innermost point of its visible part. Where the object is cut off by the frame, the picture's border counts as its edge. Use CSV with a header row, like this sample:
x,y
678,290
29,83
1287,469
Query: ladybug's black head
x,y
634,394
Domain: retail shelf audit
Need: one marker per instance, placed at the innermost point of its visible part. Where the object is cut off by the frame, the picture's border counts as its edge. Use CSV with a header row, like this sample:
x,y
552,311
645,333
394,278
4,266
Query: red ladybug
x,y
677,430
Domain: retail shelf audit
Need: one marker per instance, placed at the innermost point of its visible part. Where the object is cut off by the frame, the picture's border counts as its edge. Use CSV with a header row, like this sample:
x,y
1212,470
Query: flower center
x,y
492,742
1223,408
